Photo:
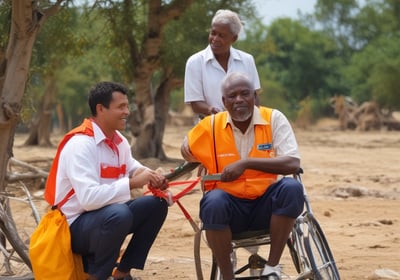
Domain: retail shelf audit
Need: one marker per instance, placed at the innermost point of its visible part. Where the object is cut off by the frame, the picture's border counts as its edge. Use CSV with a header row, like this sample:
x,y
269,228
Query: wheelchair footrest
x,y
255,262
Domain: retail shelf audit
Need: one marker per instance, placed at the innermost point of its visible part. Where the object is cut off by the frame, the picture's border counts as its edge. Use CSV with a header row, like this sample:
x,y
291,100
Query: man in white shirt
x,y
95,164
206,69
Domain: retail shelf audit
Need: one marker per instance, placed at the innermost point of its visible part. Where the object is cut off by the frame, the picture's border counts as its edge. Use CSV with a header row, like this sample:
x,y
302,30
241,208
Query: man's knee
x,y
214,200
214,210
289,198
118,215
150,204
293,187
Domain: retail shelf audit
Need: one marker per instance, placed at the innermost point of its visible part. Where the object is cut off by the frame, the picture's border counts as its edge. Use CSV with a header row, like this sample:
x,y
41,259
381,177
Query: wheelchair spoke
x,y
318,251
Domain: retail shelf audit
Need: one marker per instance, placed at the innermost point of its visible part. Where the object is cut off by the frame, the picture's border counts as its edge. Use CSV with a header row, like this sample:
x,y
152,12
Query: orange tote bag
x,y
50,250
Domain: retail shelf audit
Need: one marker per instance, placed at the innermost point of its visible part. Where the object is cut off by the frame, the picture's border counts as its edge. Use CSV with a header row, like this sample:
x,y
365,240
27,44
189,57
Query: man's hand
x,y
185,151
202,108
145,176
233,171
157,181
212,110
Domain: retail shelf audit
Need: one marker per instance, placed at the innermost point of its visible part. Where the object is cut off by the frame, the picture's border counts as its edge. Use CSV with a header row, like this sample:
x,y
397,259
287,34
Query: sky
x,y
270,10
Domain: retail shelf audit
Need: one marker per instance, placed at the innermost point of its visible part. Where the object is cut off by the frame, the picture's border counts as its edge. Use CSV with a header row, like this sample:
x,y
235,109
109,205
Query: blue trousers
x,y
219,209
98,235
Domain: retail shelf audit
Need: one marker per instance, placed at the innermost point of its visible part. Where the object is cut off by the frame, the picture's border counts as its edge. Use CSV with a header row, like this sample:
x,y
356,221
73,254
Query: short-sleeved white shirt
x,y
79,168
203,75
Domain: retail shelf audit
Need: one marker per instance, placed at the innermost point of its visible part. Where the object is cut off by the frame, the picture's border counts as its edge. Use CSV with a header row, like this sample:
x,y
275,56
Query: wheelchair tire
x,y
295,256
297,250
319,254
215,272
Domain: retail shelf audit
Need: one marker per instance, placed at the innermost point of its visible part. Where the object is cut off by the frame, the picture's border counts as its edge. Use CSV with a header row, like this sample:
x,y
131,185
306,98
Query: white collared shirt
x,y
79,167
203,75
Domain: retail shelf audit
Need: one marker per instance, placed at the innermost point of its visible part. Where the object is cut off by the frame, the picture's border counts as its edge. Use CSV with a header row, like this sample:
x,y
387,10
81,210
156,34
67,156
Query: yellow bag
x,y
50,250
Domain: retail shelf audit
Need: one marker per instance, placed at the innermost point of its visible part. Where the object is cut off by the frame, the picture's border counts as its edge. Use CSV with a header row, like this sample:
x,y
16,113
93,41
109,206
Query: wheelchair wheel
x,y
298,252
319,254
215,272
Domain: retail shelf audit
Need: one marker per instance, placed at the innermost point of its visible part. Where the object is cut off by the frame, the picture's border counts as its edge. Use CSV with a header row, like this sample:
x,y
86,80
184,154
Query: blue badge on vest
x,y
264,147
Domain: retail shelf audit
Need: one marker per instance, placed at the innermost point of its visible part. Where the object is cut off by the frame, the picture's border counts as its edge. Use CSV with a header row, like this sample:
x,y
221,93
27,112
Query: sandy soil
x,y
353,182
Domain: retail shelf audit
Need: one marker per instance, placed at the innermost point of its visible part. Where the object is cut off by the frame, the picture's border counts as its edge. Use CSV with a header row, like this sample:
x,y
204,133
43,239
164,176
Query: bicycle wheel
x,y
319,254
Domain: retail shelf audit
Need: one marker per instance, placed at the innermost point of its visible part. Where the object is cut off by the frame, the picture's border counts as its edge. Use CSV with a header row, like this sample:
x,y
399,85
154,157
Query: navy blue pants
x,y
219,209
98,235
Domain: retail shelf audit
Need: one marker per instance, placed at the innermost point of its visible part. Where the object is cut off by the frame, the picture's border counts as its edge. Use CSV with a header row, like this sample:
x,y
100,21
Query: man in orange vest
x,y
91,180
249,147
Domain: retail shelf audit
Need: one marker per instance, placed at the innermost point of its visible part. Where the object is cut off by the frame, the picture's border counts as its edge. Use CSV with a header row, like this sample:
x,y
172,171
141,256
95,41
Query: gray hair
x,y
235,76
228,17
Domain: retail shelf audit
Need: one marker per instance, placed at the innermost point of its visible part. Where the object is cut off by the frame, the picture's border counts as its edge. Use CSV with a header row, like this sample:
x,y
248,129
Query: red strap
x,y
184,211
175,198
62,202
160,193
50,190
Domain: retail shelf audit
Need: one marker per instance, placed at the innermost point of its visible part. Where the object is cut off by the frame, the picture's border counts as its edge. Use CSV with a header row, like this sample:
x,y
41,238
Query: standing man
x,y
206,69
250,146
95,165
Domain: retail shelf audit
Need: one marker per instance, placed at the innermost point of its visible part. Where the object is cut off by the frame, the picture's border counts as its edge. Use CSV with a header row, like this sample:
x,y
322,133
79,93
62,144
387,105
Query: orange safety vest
x,y
213,144
50,190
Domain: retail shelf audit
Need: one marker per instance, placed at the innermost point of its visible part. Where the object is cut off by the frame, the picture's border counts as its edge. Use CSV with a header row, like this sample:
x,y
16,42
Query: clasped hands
x,y
157,181
151,178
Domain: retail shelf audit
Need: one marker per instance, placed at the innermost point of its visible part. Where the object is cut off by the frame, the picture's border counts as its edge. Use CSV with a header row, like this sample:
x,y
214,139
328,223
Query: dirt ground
x,y
353,183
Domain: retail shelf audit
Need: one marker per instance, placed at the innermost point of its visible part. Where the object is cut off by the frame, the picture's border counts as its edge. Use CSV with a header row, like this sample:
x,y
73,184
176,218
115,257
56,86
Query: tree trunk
x,y
60,118
151,117
162,103
39,133
23,33
13,79
25,25
145,124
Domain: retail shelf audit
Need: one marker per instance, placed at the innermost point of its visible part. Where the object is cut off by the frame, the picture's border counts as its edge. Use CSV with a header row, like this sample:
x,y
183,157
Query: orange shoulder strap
x,y
50,190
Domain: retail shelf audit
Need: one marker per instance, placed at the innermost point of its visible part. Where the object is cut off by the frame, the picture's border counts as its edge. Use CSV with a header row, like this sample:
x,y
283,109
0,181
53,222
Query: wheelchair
x,y
307,245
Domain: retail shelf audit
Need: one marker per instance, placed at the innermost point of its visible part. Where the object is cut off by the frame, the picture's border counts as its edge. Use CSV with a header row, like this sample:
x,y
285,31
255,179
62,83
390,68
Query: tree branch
x,y
36,173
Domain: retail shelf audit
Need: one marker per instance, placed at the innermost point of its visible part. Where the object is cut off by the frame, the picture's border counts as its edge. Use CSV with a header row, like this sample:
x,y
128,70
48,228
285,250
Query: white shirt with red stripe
x,y
84,164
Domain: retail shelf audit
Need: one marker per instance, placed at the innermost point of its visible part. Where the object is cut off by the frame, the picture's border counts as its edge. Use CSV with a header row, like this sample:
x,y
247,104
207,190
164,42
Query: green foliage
x,y
373,73
53,47
348,49
337,20
181,42
5,19
301,60
73,96
71,47
374,70
124,33
177,98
